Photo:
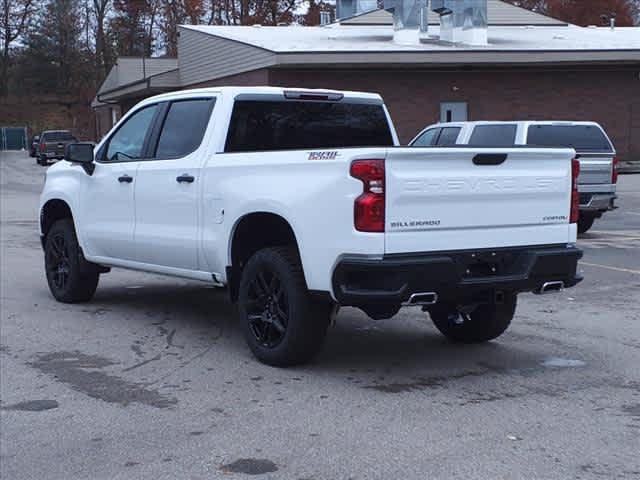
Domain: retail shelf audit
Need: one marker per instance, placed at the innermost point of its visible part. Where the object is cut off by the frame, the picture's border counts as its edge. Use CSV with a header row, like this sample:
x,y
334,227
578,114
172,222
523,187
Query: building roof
x,y
379,39
129,75
498,12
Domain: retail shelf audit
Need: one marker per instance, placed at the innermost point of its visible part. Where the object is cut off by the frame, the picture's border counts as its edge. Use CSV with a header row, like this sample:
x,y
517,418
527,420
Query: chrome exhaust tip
x,y
550,287
423,298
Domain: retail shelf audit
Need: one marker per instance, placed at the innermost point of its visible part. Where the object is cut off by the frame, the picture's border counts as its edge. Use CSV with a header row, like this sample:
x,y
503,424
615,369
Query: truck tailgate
x,y
442,199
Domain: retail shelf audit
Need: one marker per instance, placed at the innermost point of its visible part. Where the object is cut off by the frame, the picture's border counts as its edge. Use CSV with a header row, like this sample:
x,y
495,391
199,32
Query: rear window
x,y
58,137
589,138
493,136
258,125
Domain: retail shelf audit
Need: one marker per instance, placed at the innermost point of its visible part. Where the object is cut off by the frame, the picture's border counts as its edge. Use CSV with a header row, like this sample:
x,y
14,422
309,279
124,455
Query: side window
x,y
448,136
427,138
184,127
128,141
493,136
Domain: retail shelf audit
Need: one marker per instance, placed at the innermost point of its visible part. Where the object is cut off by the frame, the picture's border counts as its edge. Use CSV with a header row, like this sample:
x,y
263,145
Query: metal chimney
x,y
462,21
409,19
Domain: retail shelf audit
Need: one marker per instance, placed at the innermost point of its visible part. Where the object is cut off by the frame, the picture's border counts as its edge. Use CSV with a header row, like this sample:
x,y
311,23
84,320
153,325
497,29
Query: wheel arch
x,y
250,233
51,211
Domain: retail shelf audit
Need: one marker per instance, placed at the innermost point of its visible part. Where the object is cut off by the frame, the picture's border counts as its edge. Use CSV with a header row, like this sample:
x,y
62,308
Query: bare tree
x,y
15,14
100,10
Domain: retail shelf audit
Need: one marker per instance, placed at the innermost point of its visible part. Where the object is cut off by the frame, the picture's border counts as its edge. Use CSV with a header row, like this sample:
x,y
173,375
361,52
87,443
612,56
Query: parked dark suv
x,y
52,145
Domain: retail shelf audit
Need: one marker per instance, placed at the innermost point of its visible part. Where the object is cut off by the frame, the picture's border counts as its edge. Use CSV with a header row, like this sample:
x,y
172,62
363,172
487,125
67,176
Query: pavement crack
x,y
144,362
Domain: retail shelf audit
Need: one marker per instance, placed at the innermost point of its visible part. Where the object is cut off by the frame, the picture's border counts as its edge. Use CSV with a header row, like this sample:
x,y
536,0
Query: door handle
x,y
184,178
125,179
489,158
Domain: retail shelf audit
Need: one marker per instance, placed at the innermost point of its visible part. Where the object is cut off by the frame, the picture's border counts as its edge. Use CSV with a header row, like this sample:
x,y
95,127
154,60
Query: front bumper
x,y
458,276
597,202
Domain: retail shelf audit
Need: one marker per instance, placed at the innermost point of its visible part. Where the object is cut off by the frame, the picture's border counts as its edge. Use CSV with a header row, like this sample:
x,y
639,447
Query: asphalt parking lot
x,y
153,380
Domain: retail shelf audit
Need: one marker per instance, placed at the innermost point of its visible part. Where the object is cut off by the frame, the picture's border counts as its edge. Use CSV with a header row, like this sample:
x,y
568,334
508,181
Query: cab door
x,y
168,184
108,209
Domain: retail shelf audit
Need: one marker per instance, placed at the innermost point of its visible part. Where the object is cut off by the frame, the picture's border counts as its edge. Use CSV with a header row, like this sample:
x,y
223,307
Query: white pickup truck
x,y
594,149
299,201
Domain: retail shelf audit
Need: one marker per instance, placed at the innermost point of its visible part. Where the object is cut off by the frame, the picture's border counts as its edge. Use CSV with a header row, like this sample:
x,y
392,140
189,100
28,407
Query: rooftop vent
x,y
461,21
325,18
409,19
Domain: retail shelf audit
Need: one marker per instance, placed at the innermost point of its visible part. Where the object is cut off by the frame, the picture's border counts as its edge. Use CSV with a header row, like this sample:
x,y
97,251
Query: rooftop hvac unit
x,y
461,21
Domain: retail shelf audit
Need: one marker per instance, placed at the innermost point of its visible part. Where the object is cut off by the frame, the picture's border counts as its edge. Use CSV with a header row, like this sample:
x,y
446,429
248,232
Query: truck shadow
x,y
410,342
403,345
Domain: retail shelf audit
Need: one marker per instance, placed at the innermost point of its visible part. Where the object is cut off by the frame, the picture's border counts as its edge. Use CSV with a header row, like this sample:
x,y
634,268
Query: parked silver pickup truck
x,y
594,150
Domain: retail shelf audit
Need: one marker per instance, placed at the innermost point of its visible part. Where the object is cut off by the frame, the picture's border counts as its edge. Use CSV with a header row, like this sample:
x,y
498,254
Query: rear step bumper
x,y
455,276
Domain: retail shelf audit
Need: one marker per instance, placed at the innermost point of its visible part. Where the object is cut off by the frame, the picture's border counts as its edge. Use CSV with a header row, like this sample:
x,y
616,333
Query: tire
x,y
70,277
42,160
281,323
486,322
585,222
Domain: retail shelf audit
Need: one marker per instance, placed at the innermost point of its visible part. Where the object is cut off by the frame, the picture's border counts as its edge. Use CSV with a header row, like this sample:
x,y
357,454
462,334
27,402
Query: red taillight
x,y
575,196
614,170
42,147
368,209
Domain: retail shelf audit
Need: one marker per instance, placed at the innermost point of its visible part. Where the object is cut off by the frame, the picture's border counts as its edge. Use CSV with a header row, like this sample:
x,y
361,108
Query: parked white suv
x,y
299,201
594,149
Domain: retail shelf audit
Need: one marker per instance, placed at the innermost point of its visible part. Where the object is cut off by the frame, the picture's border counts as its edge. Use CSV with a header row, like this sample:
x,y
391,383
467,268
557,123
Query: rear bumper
x,y
597,202
454,276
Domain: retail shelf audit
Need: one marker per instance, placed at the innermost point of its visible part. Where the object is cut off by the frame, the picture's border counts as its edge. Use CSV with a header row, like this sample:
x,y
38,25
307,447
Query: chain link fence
x,y
13,138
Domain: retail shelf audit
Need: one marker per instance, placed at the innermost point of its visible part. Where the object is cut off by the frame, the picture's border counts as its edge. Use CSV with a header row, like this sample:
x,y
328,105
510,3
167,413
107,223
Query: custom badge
x,y
323,155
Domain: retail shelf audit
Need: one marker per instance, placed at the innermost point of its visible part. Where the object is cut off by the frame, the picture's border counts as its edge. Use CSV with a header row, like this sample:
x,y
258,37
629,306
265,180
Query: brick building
x,y
534,67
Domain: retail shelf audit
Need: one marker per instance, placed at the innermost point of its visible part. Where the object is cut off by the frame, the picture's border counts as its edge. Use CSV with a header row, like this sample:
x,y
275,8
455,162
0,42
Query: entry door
x,y
168,187
453,112
108,201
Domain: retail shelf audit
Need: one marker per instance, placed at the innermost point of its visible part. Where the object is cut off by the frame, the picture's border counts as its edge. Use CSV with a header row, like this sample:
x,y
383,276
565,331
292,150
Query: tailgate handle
x,y
489,158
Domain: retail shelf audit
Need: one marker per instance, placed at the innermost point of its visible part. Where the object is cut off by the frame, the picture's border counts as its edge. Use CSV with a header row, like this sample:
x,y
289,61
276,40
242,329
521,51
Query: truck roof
x,y
235,91
513,122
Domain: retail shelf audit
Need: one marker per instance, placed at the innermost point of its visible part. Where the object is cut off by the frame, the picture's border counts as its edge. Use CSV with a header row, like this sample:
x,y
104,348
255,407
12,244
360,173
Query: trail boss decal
x,y
555,218
323,155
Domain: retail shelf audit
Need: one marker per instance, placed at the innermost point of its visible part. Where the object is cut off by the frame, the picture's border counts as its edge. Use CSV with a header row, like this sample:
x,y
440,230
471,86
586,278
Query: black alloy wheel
x,y
281,321
70,277
57,261
267,308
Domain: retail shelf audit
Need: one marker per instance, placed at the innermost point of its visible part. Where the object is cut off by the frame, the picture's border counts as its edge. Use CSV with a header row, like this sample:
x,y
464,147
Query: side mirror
x,y
81,153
